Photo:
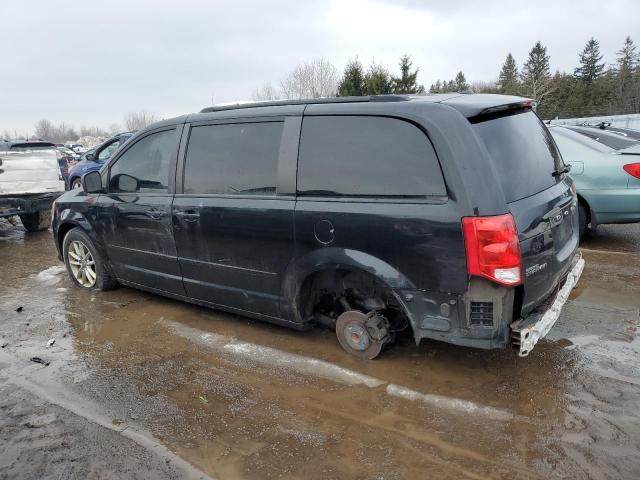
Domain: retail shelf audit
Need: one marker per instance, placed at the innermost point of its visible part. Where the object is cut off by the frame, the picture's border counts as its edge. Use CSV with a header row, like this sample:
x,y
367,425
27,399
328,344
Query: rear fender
x,y
334,258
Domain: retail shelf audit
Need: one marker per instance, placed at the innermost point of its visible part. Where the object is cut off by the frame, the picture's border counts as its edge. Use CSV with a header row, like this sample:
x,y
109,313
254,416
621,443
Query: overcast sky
x,y
89,62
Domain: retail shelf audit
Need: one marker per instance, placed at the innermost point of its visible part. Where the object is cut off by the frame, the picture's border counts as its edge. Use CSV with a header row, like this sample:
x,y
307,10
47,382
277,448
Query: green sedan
x,y
607,179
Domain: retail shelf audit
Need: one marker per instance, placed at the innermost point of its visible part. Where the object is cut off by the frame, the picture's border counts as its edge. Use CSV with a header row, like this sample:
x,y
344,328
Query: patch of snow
x,y
319,368
51,275
449,403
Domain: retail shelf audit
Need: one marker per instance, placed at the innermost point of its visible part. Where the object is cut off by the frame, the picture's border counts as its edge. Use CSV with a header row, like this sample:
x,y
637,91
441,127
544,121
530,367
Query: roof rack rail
x,y
305,101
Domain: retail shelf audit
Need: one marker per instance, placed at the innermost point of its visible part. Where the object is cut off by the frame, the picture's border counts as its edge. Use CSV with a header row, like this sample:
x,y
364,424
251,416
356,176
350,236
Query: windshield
x,y
523,152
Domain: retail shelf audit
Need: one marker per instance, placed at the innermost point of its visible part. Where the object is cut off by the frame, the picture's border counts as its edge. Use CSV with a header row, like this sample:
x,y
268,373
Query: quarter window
x,y
147,162
235,158
366,156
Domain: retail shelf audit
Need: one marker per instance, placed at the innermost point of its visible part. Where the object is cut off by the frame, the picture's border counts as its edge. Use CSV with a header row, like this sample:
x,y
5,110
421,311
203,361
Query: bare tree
x,y
45,130
138,120
92,131
315,79
62,132
114,128
266,92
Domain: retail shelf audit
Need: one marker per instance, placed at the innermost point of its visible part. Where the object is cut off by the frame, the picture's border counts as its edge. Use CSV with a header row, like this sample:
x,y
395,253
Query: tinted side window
x,y
366,156
148,162
238,158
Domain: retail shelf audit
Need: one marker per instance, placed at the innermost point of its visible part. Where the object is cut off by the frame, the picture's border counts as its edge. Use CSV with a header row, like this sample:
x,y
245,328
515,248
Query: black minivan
x,y
452,215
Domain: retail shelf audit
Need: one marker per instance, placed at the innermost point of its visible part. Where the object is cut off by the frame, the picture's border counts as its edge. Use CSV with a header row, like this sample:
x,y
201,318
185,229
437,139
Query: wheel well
x,y
327,293
62,232
587,209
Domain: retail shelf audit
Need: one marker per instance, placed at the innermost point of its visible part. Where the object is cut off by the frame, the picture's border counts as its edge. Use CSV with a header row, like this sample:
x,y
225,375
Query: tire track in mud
x,y
386,423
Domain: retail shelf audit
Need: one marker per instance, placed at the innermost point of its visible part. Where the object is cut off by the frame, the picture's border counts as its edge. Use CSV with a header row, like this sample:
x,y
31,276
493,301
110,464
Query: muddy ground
x,y
144,387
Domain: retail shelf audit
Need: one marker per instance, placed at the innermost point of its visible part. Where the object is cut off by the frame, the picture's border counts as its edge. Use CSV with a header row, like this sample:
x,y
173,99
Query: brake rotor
x,y
352,334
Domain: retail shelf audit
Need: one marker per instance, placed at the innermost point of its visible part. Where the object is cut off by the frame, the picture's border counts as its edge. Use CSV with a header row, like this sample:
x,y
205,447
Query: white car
x,y
30,181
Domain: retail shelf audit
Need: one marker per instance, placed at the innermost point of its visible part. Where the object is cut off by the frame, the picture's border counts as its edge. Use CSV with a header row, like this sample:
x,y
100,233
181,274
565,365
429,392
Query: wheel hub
x,y
354,336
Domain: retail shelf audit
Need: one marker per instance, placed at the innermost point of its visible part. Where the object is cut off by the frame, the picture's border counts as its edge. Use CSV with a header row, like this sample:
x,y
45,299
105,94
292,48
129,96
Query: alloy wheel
x,y
82,264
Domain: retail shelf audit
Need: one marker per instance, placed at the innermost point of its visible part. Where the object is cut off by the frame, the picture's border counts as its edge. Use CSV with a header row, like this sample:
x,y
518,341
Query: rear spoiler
x,y
501,110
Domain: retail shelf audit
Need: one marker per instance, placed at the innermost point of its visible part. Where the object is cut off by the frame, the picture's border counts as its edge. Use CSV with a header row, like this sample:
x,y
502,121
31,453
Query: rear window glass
x,y
366,156
523,152
617,141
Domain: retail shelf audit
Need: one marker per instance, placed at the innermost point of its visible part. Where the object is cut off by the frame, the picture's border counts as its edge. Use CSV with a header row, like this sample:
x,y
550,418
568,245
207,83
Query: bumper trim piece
x,y
526,332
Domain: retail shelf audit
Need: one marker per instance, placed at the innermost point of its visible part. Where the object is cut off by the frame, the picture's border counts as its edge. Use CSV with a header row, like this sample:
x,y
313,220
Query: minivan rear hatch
x,y
538,194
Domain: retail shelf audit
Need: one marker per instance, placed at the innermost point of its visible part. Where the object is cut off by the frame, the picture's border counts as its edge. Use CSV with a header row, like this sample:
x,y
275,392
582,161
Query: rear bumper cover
x,y
526,332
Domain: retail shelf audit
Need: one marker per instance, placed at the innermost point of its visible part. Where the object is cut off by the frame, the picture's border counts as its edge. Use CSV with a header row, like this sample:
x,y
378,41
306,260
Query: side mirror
x,y
89,157
127,183
92,182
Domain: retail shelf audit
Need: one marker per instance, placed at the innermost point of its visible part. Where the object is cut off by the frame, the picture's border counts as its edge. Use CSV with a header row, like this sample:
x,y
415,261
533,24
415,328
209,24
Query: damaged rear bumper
x,y
526,332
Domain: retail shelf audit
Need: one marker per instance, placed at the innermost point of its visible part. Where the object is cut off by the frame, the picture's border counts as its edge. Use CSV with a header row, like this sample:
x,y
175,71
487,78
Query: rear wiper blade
x,y
560,171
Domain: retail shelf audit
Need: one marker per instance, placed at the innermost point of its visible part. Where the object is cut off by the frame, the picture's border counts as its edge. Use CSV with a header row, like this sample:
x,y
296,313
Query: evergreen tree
x,y
436,87
460,83
450,86
508,78
536,74
627,79
628,59
590,67
407,81
377,80
352,82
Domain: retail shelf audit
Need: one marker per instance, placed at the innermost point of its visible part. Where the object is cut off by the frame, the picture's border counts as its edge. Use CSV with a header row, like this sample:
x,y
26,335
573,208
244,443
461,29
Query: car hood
x,y
85,166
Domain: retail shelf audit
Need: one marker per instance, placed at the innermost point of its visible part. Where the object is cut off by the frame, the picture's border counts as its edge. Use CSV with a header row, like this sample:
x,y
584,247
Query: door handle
x,y
155,213
188,215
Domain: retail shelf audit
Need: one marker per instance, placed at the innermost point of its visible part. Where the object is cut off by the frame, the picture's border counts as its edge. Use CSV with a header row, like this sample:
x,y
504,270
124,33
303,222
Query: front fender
x,y
69,219
334,258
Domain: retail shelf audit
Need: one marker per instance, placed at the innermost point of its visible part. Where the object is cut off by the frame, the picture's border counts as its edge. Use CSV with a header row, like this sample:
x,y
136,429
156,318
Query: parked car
x,y
92,160
626,132
65,160
451,215
607,179
30,180
617,140
67,150
76,147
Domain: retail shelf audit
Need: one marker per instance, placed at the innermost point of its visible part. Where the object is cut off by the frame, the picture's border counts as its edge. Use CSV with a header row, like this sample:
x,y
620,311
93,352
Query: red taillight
x,y
492,248
632,169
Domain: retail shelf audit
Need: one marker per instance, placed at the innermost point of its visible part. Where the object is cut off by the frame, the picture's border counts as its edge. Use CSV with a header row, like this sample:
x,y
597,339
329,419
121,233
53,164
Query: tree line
x,y
593,88
62,132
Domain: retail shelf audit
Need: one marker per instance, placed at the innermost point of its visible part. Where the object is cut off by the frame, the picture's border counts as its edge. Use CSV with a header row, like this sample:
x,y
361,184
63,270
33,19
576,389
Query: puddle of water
x,y
285,403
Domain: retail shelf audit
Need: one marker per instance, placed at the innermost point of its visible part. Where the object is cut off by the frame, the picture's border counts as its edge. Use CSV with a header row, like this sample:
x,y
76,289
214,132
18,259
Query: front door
x,y
135,214
233,229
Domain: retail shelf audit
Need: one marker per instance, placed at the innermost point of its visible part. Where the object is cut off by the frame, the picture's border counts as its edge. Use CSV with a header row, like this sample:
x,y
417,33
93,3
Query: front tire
x,y
36,221
76,183
84,264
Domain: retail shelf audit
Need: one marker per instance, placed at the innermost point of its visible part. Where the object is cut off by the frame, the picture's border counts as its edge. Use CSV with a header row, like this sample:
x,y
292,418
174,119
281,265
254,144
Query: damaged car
x,y
452,216
31,178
